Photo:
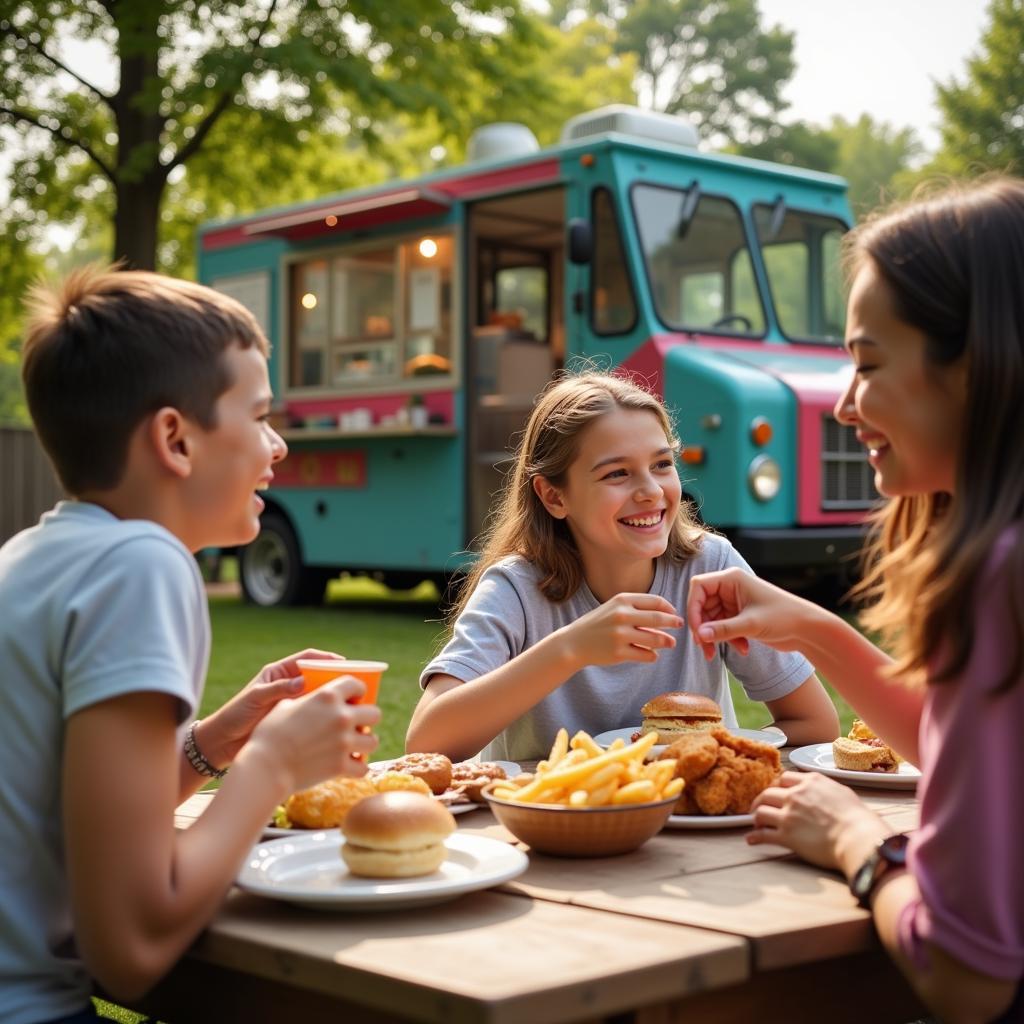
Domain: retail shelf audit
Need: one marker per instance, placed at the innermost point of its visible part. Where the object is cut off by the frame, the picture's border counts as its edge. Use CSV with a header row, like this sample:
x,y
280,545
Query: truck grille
x,y
847,480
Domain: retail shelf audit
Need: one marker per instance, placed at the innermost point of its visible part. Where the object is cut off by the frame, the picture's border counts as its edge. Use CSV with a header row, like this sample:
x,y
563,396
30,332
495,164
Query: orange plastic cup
x,y
317,671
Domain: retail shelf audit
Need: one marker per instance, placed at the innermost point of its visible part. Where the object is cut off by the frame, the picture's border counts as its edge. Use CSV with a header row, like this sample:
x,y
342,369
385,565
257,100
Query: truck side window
x,y
801,258
613,306
371,314
698,261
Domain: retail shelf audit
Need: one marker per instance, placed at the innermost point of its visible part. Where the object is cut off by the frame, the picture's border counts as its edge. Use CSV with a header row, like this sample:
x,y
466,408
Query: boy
x,y
150,395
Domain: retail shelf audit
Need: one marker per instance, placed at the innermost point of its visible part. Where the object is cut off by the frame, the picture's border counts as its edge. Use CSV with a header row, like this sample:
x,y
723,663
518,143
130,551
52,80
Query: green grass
x,y
362,619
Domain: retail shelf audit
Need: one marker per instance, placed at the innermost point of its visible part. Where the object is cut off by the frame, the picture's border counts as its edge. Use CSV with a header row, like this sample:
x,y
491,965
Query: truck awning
x,y
351,214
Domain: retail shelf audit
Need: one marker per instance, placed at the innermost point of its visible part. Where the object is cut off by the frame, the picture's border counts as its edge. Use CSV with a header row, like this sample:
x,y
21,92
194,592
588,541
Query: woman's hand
x,y
629,627
736,607
817,818
222,734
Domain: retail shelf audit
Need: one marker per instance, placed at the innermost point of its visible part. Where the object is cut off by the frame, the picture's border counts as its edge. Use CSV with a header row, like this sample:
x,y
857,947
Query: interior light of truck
x,y
765,477
330,220
308,301
428,248
693,455
760,431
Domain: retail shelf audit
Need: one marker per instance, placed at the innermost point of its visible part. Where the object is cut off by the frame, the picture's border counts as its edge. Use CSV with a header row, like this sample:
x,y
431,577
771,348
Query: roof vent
x,y
500,141
645,124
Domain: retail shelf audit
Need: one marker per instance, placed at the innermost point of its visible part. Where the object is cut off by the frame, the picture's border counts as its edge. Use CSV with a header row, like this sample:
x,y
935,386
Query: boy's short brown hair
x,y
107,347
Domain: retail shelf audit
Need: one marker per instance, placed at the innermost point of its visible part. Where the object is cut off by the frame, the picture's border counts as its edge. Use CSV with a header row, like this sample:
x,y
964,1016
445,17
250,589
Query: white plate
x,y
511,768
606,739
709,821
818,758
308,870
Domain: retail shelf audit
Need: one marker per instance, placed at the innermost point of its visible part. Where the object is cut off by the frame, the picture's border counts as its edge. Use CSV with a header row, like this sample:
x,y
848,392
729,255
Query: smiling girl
x,y
569,615
936,333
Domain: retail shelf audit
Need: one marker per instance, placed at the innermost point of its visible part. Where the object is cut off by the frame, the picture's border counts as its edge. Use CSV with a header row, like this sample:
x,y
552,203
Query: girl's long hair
x,y
519,523
954,263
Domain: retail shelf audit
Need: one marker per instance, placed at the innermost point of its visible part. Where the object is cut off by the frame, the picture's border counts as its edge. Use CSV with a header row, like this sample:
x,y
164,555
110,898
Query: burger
x,y
396,835
674,714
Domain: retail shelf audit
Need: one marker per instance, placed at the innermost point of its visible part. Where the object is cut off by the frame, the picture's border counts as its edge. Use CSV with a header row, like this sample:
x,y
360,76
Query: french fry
x,y
617,744
582,741
640,792
609,773
673,788
603,796
578,798
559,747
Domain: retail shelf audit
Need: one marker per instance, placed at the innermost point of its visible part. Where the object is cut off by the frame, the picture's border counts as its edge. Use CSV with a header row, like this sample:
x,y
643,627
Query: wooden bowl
x,y
580,831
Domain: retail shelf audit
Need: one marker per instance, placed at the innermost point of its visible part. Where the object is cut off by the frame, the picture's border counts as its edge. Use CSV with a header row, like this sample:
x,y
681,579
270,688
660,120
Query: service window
x,y
698,261
801,253
373,314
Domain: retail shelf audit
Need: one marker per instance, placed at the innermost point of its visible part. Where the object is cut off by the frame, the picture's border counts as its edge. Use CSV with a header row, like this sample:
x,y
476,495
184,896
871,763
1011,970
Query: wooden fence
x,y
28,486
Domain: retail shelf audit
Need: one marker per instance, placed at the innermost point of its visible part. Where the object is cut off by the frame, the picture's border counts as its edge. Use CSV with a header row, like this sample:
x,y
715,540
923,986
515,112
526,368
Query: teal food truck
x,y
414,323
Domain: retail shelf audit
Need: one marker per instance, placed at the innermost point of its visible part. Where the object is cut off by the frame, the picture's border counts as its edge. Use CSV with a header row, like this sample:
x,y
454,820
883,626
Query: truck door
x,y
516,332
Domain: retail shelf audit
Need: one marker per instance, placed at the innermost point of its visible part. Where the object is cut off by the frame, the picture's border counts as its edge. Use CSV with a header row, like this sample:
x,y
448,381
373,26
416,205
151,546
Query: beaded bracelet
x,y
196,758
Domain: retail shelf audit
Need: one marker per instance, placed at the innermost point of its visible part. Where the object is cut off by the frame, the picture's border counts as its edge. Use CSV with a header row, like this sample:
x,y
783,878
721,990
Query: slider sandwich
x,y
677,713
396,835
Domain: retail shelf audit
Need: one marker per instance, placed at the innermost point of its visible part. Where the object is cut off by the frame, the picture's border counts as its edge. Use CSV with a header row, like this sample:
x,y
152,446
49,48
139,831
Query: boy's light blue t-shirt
x,y
91,607
507,615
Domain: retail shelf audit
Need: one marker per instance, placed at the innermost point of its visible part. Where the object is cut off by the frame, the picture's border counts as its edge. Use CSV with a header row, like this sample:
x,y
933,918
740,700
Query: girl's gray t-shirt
x,y
507,615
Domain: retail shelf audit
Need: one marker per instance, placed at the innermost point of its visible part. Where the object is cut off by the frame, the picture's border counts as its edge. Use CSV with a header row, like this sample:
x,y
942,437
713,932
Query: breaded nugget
x,y
695,754
326,804
434,769
392,781
744,768
749,748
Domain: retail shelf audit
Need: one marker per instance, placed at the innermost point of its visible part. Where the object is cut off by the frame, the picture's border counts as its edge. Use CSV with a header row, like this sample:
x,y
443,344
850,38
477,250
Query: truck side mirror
x,y
581,240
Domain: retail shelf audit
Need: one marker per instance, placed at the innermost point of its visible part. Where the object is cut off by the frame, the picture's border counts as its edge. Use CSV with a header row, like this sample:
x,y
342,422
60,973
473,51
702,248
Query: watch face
x,y
890,851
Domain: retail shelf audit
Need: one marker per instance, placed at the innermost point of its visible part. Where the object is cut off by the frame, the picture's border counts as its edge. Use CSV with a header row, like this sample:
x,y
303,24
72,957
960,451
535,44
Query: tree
x,y
183,65
983,117
710,60
874,157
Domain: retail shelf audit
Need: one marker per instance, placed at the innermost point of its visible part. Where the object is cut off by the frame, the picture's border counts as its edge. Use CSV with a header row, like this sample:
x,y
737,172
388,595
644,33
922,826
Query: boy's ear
x,y
550,497
170,437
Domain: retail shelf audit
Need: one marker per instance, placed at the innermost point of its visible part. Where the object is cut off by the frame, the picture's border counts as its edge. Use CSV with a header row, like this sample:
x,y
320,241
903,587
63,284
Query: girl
x,y
588,556
936,332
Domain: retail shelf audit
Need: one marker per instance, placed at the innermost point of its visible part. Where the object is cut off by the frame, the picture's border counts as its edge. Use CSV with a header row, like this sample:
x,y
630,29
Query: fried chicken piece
x,y
390,781
326,804
695,754
744,768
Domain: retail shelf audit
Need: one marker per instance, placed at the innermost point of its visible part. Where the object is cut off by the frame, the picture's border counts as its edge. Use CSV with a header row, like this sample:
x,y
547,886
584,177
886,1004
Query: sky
x,y
880,57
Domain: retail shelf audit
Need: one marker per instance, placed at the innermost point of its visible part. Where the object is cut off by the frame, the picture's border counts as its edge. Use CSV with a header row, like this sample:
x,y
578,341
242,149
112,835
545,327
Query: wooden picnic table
x,y
694,922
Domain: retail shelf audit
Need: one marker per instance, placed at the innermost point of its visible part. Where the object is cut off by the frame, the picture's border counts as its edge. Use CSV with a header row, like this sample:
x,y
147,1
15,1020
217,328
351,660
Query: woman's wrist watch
x,y
891,852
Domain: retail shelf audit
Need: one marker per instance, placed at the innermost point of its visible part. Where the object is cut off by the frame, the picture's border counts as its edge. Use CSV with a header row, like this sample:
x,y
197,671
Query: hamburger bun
x,y
858,756
396,835
677,713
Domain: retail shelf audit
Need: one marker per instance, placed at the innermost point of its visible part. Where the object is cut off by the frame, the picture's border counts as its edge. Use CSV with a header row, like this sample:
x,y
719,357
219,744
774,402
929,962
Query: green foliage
x,y
187,69
873,157
983,117
711,60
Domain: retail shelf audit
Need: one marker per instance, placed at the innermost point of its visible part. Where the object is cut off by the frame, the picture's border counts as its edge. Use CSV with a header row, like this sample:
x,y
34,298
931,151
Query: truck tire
x,y
270,569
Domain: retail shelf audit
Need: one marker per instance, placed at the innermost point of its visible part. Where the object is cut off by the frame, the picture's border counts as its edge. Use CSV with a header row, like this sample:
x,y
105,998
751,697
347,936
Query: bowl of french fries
x,y
584,801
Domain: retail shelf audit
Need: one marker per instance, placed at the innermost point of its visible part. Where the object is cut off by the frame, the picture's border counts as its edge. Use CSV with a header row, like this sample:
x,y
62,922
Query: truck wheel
x,y
271,569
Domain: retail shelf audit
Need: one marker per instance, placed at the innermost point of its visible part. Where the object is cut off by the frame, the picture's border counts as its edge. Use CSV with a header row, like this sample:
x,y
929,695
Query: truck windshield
x,y
697,260
801,257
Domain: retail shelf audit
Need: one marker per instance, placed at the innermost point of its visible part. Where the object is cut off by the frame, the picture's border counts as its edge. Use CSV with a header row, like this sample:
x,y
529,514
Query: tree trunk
x,y
137,220
140,175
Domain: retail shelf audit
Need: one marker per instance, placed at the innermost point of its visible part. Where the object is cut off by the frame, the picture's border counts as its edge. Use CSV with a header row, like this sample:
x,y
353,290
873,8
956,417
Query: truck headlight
x,y
765,477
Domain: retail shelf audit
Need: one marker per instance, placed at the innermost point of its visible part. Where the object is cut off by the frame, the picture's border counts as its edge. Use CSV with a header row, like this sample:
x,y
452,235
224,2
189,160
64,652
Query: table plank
x,y
486,958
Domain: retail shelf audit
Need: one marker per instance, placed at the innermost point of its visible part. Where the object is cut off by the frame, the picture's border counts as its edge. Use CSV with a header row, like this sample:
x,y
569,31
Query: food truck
x,y
413,324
